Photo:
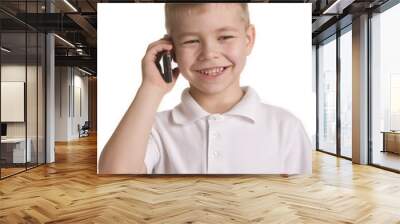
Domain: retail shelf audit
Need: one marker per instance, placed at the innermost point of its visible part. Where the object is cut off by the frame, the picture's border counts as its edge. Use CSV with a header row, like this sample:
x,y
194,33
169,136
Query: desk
x,y
391,141
13,150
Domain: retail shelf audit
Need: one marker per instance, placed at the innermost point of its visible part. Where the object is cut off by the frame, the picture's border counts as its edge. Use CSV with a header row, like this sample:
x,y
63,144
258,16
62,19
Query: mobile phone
x,y
166,69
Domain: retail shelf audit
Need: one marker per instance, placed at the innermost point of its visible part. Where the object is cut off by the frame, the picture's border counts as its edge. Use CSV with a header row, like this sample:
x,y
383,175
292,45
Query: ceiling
x,y
76,25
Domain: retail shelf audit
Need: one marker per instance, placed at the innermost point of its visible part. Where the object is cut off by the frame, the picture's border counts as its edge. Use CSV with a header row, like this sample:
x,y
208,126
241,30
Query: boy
x,y
219,127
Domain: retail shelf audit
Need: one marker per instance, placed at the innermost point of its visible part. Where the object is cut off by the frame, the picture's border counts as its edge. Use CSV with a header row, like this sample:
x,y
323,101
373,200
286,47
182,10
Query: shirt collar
x,y
189,110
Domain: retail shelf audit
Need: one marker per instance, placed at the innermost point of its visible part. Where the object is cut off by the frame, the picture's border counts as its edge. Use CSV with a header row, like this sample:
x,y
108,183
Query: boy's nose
x,y
208,51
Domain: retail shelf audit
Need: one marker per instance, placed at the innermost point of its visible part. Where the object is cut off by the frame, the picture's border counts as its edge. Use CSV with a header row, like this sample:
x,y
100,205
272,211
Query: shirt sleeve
x,y
298,159
152,155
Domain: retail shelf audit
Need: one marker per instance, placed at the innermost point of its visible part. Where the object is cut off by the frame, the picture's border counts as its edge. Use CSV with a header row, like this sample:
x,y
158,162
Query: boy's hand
x,y
151,76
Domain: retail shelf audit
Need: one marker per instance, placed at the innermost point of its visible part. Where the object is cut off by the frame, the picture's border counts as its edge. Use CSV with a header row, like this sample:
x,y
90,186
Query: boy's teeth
x,y
212,71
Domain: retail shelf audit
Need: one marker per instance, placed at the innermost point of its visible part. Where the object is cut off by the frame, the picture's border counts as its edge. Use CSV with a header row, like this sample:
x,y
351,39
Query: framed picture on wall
x,y
12,101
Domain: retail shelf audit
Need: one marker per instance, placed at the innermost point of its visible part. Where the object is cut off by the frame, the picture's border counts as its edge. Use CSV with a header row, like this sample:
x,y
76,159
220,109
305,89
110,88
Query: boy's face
x,y
211,46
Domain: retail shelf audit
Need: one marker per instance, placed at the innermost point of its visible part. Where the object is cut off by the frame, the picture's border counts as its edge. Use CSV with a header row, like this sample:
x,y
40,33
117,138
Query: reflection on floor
x,y
386,159
10,169
347,152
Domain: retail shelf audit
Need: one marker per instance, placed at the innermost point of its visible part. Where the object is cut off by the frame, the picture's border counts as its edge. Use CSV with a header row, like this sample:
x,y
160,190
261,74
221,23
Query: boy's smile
x,y
211,44
212,72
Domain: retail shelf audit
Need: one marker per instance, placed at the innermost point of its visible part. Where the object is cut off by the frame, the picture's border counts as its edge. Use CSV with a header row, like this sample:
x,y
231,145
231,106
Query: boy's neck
x,y
220,102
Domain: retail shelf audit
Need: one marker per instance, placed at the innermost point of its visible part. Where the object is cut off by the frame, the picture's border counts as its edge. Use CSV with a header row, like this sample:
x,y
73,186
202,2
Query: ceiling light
x,y
338,6
64,40
70,5
5,50
84,71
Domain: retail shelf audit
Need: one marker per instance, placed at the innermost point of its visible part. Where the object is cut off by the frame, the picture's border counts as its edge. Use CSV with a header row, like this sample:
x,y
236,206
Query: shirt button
x,y
216,117
214,134
215,154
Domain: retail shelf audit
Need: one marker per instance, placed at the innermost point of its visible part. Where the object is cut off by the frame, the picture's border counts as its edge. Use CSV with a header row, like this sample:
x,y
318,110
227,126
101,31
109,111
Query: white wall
x,y
61,103
68,83
81,83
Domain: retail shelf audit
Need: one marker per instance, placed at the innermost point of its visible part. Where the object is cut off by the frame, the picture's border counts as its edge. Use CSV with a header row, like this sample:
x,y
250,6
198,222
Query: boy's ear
x,y
251,37
173,56
168,37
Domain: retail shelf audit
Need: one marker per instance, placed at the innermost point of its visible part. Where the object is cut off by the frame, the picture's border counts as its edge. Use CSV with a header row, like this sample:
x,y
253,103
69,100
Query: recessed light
x,y
338,6
64,40
84,71
5,50
70,5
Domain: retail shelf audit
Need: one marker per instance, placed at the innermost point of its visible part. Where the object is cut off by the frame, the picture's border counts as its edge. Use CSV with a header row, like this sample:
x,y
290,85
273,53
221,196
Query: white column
x,y
360,90
50,92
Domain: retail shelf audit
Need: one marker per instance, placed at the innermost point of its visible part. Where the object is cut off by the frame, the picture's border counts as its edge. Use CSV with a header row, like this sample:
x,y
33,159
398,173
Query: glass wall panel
x,y
31,85
385,84
346,94
41,98
22,88
327,96
41,91
31,101
13,89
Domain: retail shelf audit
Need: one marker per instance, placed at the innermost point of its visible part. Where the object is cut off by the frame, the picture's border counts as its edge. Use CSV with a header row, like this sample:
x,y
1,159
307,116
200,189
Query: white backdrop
x,y
279,68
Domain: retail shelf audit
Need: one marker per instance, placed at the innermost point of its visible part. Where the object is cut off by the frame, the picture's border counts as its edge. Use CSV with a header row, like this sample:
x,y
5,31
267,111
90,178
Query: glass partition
x,y
385,88
13,109
327,96
31,100
22,77
34,64
346,93
41,85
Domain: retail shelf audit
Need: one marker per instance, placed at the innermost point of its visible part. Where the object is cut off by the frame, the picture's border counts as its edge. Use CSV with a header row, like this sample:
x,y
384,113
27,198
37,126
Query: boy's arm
x,y
125,151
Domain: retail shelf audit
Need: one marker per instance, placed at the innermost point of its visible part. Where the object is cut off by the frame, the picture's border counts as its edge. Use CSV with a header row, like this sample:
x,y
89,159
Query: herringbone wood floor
x,y
69,191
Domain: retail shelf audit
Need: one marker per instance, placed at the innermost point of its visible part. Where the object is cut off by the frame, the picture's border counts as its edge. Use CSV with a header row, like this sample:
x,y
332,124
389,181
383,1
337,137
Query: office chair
x,y
84,130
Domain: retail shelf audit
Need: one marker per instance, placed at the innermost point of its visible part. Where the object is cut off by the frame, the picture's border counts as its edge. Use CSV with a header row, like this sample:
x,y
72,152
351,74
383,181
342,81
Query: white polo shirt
x,y
251,138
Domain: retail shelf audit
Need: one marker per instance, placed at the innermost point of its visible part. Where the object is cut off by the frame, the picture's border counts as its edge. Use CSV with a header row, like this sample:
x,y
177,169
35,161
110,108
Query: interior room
x,y
49,137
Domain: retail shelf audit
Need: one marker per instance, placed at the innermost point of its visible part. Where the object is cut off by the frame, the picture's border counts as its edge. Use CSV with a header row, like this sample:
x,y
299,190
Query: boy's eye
x,y
190,41
225,37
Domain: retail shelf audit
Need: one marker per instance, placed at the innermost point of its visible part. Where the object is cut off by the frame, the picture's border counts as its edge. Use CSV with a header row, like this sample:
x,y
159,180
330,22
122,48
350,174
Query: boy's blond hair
x,y
173,11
